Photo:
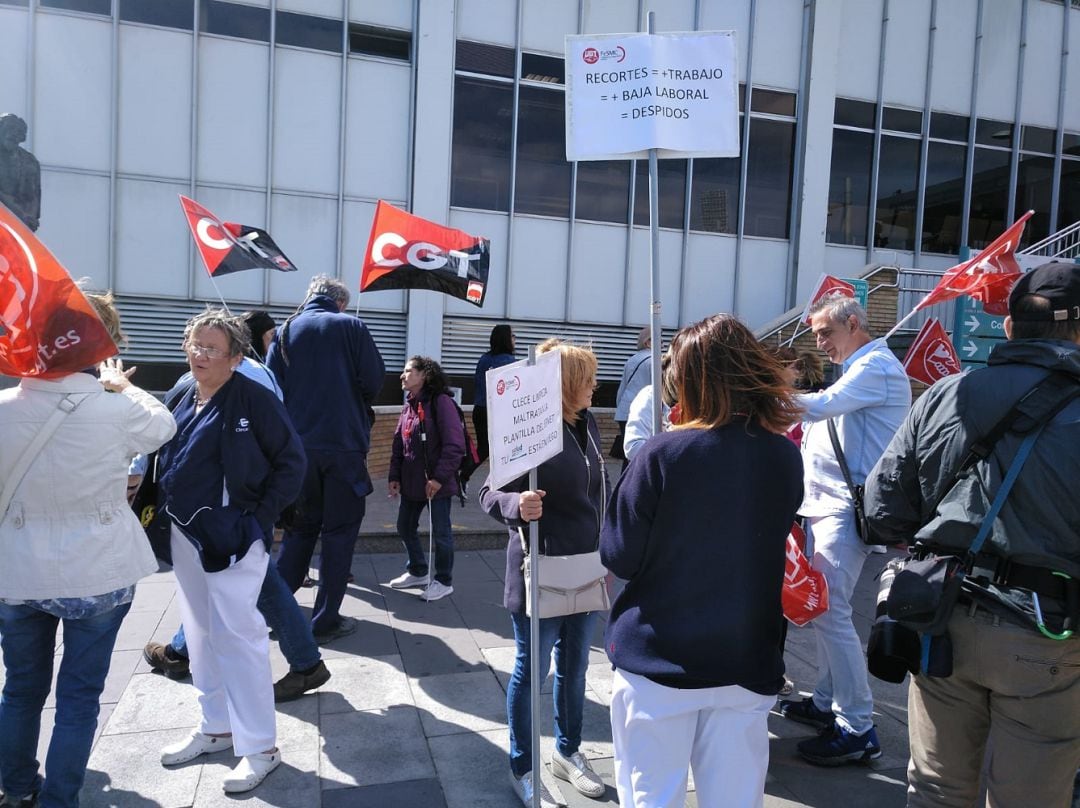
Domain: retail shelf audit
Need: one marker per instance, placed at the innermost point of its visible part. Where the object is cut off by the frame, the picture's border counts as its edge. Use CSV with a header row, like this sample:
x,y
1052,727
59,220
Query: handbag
x,y
862,527
569,584
805,594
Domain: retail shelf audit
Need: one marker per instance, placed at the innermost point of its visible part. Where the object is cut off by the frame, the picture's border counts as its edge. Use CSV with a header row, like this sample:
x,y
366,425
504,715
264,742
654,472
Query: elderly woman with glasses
x,y
234,464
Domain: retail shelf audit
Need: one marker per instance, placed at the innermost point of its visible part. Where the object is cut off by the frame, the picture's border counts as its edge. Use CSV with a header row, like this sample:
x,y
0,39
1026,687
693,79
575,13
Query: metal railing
x,y
1064,243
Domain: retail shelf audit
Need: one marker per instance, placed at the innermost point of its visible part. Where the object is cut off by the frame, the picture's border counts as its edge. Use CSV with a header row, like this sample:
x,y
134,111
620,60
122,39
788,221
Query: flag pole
x,y
218,290
654,272
903,320
534,636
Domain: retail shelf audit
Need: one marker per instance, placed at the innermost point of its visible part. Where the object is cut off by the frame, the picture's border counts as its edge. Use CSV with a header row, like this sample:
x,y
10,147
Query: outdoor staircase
x,y
1064,244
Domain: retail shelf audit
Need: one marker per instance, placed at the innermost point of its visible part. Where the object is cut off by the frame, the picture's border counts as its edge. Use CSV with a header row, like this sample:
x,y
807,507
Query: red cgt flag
x,y
827,285
931,356
227,247
407,252
49,328
987,277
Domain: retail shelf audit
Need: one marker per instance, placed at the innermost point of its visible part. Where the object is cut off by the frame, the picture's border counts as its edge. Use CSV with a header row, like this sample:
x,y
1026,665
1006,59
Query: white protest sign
x,y
627,93
524,416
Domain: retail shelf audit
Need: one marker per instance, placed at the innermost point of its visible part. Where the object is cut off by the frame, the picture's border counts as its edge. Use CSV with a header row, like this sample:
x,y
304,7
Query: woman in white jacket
x,y
72,551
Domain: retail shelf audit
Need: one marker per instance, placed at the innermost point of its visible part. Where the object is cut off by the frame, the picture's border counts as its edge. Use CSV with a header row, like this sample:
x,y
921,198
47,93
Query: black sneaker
x,y
29,801
164,659
806,712
345,627
295,684
837,746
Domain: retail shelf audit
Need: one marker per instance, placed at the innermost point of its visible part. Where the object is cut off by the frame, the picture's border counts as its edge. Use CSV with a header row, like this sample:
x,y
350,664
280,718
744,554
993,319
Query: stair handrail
x,y
1053,240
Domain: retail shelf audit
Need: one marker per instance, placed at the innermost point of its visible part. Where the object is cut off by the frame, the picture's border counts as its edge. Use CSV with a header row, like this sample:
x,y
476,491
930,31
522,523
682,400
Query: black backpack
x,y
470,460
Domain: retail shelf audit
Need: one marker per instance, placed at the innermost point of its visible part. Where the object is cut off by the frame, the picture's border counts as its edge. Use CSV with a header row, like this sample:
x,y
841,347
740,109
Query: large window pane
x,y
1034,187
989,196
768,178
1069,194
849,187
171,13
480,169
603,191
944,198
898,185
949,127
714,195
672,176
543,175
847,112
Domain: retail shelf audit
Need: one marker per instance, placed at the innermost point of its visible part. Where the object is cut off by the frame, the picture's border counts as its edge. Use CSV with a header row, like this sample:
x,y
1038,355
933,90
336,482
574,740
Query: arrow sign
x,y
976,349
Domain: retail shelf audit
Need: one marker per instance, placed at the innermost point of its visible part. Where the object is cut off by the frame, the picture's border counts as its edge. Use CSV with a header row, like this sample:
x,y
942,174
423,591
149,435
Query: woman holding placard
x,y
568,501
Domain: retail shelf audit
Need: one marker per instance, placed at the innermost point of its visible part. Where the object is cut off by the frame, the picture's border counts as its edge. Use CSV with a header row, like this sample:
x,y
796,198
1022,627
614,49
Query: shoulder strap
x,y
637,367
68,404
1031,412
840,457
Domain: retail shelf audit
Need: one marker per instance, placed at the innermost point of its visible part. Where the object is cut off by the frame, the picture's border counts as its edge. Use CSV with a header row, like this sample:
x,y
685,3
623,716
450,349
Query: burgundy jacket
x,y
414,461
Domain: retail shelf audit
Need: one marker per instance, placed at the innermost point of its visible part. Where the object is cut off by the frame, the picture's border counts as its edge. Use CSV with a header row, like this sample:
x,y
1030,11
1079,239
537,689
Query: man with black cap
x,y
1011,706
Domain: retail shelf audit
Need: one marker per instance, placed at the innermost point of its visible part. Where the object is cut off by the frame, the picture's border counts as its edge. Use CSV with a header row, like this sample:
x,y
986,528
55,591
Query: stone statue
x,y
20,173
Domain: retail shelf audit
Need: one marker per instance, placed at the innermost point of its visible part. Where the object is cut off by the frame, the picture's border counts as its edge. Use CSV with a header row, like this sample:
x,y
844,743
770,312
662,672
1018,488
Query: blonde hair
x,y
105,307
578,372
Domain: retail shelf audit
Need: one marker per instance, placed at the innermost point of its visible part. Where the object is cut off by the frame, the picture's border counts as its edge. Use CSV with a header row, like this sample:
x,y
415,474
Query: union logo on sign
x,y
591,56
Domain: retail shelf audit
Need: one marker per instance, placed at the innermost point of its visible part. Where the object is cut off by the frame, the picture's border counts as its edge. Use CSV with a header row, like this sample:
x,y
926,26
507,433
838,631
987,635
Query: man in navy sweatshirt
x,y
330,370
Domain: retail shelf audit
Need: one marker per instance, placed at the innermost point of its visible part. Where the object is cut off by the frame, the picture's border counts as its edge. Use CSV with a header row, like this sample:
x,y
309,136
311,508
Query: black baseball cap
x,y
1058,282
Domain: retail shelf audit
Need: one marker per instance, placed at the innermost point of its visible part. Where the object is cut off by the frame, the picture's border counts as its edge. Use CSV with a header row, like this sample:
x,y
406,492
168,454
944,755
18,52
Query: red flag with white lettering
x,y
50,329
227,247
987,277
827,285
931,356
407,252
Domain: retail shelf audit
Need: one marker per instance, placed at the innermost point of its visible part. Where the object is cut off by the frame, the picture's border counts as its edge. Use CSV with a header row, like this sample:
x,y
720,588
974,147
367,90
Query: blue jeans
x,y
570,636
330,510
28,639
284,616
408,518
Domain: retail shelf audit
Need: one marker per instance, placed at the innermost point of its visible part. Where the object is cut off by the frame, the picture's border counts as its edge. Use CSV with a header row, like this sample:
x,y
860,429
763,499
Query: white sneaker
x,y
578,772
251,771
193,746
407,581
436,591
523,787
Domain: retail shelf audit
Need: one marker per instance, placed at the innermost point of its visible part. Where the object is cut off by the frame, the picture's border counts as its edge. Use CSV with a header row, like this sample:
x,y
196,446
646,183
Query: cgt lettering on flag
x,y
227,247
407,252
50,330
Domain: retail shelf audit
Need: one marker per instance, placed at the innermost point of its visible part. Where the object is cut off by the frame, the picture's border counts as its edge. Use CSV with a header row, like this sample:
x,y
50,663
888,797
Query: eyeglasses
x,y
201,350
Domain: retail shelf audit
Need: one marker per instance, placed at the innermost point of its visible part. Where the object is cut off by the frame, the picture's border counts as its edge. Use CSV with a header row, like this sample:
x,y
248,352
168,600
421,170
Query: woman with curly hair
x,y
429,443
697,527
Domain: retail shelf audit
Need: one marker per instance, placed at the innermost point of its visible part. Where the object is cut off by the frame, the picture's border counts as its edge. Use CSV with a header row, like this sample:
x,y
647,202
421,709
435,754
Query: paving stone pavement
x,y
414,713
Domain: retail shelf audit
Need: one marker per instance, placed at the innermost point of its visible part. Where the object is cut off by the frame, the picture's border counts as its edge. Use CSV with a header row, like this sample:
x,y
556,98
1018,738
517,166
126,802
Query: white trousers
x,y
228,645
721,732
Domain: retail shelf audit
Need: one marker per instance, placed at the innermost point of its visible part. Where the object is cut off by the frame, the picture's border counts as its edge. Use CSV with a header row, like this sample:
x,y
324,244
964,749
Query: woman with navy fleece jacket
x,y
698,526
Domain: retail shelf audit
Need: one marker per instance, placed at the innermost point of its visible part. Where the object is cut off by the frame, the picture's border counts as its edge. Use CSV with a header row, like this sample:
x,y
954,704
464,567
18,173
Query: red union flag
x,y
827,285
931,356
987,277
49,328
407,252
228,247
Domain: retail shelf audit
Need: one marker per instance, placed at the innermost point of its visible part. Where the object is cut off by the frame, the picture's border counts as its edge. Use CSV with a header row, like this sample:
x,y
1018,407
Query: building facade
x,y
872,131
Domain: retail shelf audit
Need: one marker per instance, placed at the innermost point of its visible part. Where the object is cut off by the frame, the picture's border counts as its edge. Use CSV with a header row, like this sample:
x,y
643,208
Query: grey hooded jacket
x,y
1039,524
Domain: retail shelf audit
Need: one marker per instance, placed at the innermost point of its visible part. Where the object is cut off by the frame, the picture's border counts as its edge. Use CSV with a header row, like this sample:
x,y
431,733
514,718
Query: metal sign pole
x,y
534,635
654,271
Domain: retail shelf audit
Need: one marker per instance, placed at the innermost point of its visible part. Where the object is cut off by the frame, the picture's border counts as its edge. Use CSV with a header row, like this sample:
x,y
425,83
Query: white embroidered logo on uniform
x,y
242,425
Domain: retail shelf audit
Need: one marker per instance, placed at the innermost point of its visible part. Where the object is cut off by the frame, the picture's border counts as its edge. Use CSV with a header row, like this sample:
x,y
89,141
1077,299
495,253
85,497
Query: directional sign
x,y
862,289
975,349
975,333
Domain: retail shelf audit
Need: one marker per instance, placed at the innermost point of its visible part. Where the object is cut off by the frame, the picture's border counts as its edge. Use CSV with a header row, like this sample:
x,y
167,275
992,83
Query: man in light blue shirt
x,y
868,403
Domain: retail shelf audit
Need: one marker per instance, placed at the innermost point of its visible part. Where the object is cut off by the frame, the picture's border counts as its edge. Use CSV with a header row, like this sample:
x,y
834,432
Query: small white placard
x,y
628,93
524,416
